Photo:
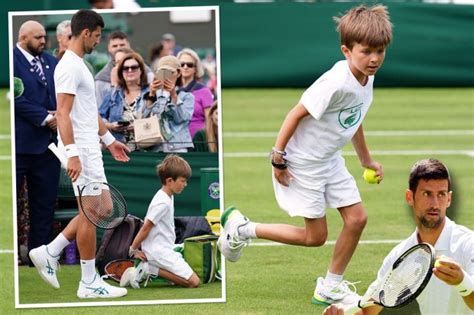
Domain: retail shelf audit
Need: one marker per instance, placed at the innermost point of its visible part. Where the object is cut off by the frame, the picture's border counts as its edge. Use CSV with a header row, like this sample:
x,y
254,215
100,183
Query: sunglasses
x,y
130,68
188,64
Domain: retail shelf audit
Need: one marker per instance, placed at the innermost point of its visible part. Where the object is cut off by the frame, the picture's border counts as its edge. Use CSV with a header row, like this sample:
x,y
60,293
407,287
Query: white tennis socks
x,y
57,245
88,270
248,230
333,278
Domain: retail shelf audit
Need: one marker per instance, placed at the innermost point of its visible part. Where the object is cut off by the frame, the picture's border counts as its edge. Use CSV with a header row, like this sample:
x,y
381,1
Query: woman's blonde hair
x,y
365,25
197,62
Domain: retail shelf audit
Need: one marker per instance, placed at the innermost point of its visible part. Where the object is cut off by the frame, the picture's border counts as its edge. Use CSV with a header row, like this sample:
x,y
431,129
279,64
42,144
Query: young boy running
x,y
157,235
309,172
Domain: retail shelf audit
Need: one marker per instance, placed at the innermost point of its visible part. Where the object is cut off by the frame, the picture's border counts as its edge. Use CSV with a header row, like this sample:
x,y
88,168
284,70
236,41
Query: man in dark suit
x,y
35,128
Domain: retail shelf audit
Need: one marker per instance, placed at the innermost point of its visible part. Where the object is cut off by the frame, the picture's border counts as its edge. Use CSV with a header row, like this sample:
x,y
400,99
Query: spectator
x,y
63,36
192,72
101,4
117,57
119,108
206,140
173,107
35,128
117,40
169,44
156,52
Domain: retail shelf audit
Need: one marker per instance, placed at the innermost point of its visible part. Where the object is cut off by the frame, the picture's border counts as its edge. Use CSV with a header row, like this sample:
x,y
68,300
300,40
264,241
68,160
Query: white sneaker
x,y
135,275
344,293
98,288
46,265
230,242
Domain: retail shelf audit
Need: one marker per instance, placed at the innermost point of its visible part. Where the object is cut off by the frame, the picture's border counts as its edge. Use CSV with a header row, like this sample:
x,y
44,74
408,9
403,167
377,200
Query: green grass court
x,y
403,126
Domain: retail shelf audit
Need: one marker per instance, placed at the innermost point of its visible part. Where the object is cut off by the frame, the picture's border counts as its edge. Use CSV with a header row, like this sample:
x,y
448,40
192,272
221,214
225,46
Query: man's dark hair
x,y
428,169
117,34
85,19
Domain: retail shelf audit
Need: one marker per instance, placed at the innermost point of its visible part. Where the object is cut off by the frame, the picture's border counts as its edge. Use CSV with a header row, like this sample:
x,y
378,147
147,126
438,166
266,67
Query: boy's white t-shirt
x,y
72,76
337,104
161,213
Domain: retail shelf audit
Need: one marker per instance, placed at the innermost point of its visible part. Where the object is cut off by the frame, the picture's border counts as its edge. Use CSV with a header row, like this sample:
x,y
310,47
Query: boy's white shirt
x,y
161,213
337,104
72,76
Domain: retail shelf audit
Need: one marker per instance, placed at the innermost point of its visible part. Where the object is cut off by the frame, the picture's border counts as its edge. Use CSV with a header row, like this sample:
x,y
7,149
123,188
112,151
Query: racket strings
x,y
103,205
406,279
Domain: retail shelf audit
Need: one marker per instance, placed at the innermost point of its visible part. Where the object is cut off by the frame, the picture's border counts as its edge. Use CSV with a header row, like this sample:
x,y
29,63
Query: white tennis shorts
x,y
169,260
92,168
315,188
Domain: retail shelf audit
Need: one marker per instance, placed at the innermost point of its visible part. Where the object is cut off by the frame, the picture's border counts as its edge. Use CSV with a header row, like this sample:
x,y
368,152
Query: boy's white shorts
x,y
315,188
169,260
92,168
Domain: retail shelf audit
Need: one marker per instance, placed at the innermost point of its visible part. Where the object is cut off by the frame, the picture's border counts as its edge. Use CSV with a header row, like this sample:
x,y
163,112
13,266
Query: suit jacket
x,y
31,108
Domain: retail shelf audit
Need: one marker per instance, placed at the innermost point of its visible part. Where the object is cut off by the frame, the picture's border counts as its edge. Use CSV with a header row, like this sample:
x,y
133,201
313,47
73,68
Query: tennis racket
x,y
115,268
102,204
403,283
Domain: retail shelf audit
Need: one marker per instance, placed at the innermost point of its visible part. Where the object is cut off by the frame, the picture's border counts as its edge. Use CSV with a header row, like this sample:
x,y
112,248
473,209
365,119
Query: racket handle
x,y
61,157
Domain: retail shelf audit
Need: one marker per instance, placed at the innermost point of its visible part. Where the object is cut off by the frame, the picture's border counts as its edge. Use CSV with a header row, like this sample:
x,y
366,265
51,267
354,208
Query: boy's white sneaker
x,y
98,288
230,242
343,293
46,265
133,276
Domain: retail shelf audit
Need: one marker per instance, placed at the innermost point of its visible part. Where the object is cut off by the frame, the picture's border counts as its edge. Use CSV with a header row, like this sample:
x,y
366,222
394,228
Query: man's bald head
x,y
32,37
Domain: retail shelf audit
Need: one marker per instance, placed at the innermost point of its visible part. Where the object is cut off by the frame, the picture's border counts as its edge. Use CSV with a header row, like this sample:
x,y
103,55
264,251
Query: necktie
x,y
36,67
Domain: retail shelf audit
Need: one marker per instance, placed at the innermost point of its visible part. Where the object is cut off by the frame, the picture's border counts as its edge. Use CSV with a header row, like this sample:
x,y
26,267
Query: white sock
x,y
153,269
248,230
332,277
57,245
88,270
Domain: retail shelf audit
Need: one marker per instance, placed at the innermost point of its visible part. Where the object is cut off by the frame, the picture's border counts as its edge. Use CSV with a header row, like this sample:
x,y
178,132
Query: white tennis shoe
x,y
230,242
344,293
133,276
46,265
98,288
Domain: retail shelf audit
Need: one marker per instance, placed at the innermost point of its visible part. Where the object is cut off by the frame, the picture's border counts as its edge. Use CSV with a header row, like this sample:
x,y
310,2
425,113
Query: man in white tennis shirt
x,y
450,289
80,132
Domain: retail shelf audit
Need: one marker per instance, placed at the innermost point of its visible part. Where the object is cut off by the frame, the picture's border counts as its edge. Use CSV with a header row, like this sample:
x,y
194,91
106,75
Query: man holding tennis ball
x,y
450,290
309,172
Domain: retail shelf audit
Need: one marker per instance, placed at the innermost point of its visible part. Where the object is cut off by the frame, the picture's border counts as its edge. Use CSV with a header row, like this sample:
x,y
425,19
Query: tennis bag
x,y
202,255
116,242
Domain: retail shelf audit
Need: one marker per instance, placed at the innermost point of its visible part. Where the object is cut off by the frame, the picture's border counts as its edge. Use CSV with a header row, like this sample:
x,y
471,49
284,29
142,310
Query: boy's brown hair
x,y
365,25
173,166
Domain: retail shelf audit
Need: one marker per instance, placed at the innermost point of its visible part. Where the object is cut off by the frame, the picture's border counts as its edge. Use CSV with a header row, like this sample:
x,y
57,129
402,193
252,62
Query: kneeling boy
x,y
157,235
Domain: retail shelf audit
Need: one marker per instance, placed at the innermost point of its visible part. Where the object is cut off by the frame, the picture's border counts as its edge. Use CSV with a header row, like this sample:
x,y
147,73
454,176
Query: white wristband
x,y
466,286
107,138
71,150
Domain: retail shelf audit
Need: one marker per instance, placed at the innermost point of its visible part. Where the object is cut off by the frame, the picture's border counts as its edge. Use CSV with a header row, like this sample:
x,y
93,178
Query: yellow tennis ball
x,y
370,177
437,263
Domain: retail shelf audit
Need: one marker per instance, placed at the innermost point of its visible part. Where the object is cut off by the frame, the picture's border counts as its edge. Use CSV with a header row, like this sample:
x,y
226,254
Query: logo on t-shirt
x,y
348,117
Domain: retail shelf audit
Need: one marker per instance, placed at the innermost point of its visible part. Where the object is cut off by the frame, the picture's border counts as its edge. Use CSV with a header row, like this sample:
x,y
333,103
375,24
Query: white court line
x,y
5,137
369,133
363,242
6,251
5,157
469,153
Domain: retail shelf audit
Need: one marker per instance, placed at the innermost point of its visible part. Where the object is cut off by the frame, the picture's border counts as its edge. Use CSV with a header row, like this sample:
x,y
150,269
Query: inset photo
x,y
116,157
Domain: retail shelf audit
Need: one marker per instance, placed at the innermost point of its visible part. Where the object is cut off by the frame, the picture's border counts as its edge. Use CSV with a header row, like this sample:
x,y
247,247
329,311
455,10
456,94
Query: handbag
x,y
147,132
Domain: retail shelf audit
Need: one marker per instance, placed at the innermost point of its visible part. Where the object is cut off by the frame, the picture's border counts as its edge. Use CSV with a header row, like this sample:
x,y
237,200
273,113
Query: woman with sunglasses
x,y
121,106
192,71
172,106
